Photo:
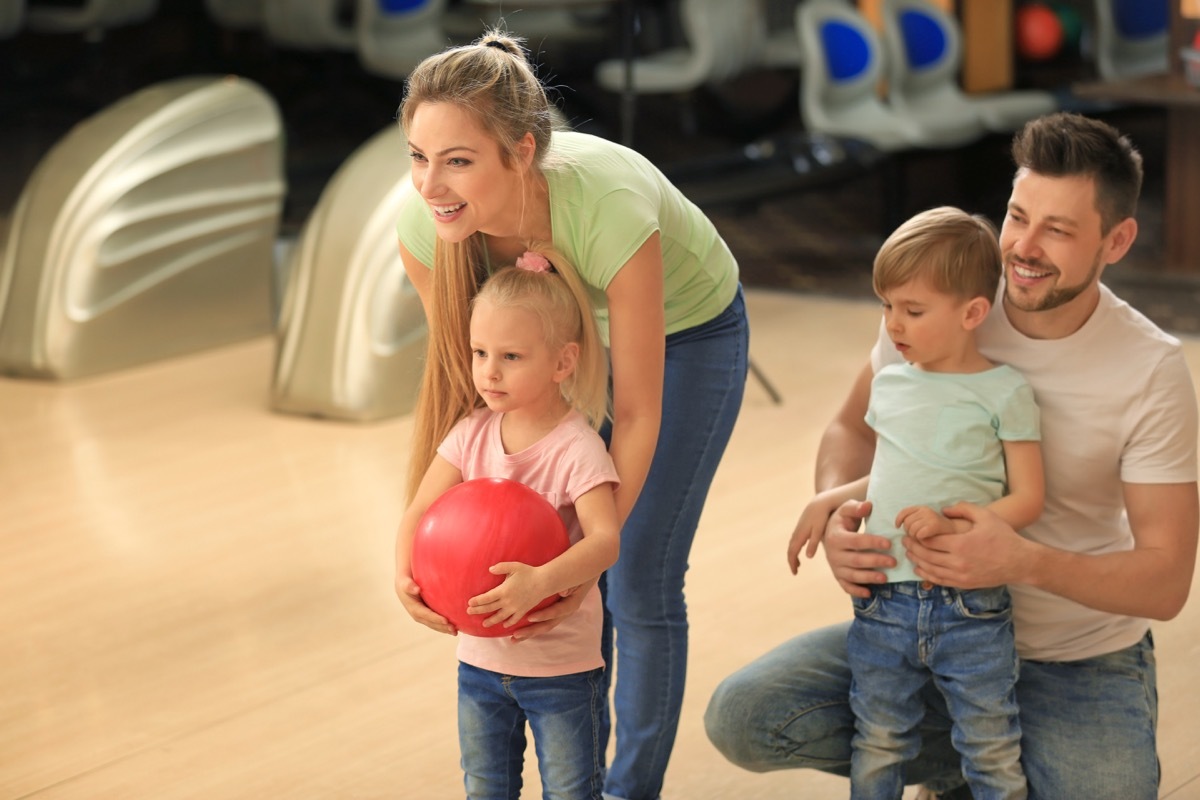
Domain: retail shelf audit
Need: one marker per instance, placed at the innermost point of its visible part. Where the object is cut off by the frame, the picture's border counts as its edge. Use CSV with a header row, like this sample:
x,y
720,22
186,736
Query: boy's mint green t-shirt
x,y
606,200
939,440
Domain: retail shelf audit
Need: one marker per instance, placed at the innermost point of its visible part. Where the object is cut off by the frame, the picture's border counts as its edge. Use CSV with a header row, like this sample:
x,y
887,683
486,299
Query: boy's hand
x,y
921,522
410,597
808,532
510,601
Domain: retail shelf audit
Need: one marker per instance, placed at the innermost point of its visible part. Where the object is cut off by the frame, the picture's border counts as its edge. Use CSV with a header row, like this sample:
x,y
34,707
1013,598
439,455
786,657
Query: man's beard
x,y
1056,297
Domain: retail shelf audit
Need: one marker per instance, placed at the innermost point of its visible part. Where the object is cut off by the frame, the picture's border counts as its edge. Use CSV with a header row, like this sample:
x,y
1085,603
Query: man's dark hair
x,y
1068,144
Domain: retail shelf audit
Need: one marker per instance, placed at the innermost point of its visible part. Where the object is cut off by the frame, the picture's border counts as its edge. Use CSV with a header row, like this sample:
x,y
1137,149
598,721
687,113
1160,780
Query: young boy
x,y
950,426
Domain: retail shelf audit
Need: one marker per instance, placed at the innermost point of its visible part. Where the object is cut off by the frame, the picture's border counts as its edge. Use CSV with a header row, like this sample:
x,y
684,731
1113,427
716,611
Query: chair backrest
x,y
148,231
352,330
726,38
52,17
840,75
924,47
311,24
237,14
12,15
843,56
1131,37
393,36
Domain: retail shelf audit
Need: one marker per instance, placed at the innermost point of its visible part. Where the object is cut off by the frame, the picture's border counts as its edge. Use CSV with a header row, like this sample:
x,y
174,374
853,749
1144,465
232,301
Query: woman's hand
x,y
548,618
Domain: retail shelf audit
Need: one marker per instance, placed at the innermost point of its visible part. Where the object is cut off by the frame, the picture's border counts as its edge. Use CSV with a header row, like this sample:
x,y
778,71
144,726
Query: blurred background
x,y
728,124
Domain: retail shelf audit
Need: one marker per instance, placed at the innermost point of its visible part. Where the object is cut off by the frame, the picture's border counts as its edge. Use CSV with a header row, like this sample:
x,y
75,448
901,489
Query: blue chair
x,y
1131,38
393,36
924,46
843,65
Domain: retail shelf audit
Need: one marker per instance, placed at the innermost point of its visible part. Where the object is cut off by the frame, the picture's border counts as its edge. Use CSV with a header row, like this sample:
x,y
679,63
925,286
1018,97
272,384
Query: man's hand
x,y
849,552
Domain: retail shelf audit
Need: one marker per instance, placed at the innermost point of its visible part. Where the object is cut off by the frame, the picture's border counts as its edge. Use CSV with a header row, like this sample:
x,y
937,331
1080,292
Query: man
x,y
1114,548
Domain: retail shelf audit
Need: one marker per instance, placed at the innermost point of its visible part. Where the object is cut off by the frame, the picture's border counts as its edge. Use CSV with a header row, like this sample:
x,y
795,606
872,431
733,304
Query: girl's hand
x,y
921,522
410,597
510,601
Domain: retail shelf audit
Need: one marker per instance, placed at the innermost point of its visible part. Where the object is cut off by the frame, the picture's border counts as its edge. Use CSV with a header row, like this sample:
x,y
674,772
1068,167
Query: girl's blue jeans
x,y
564,713
1087,726
703,383
907,635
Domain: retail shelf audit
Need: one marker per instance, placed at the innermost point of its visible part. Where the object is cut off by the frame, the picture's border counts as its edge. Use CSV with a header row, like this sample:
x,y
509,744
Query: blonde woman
x,y
491,174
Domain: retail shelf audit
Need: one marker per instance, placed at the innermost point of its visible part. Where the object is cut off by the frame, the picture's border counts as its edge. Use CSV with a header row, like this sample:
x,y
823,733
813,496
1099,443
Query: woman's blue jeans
x,y
703,383
564,713
907,635
1087,726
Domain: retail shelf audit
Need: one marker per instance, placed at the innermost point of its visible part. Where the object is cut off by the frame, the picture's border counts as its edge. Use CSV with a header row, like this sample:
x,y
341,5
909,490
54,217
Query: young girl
x,y
491,174
539,369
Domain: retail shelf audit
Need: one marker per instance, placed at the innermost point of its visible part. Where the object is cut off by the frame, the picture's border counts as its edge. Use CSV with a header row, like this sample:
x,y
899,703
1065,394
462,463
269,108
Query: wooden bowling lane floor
x,y
197,593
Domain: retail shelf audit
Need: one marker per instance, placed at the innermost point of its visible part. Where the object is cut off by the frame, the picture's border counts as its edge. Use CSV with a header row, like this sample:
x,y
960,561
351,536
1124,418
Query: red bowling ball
x,y
1038,31
471,527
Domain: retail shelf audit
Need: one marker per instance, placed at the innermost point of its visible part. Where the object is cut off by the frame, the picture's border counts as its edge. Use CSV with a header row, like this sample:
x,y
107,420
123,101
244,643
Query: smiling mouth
x,y
445,211
1027,272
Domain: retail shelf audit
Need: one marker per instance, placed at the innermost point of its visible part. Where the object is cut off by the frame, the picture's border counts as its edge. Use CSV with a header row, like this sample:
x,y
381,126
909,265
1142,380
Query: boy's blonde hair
x,y
956,253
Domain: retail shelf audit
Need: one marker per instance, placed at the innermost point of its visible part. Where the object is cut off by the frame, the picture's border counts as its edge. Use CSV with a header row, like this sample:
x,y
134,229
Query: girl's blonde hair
x,y
956,253
492,81
560,300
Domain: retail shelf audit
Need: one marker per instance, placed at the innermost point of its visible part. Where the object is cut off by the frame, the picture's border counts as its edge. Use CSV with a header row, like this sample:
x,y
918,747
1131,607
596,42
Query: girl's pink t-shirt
x,y
565,464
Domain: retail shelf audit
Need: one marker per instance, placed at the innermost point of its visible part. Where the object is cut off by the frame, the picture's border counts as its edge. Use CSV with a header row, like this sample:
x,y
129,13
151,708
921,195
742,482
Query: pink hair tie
x,y
534,262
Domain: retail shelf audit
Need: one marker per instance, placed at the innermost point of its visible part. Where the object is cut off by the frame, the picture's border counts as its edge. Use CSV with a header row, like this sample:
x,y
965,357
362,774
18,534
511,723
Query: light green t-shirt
x,y
605,202
939,440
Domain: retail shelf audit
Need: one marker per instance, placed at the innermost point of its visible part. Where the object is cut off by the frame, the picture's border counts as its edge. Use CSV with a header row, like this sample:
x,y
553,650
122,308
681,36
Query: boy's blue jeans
x,y
909,634
564,713
1087,726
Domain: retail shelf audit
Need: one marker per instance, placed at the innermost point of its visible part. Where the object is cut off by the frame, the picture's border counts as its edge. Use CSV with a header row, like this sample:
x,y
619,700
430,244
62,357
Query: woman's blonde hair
x,y
492,81
956,253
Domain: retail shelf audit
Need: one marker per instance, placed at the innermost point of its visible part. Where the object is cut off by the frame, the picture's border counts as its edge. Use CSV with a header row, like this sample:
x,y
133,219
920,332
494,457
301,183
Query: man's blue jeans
x,y
564,713
905,636
1087,726
704,380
